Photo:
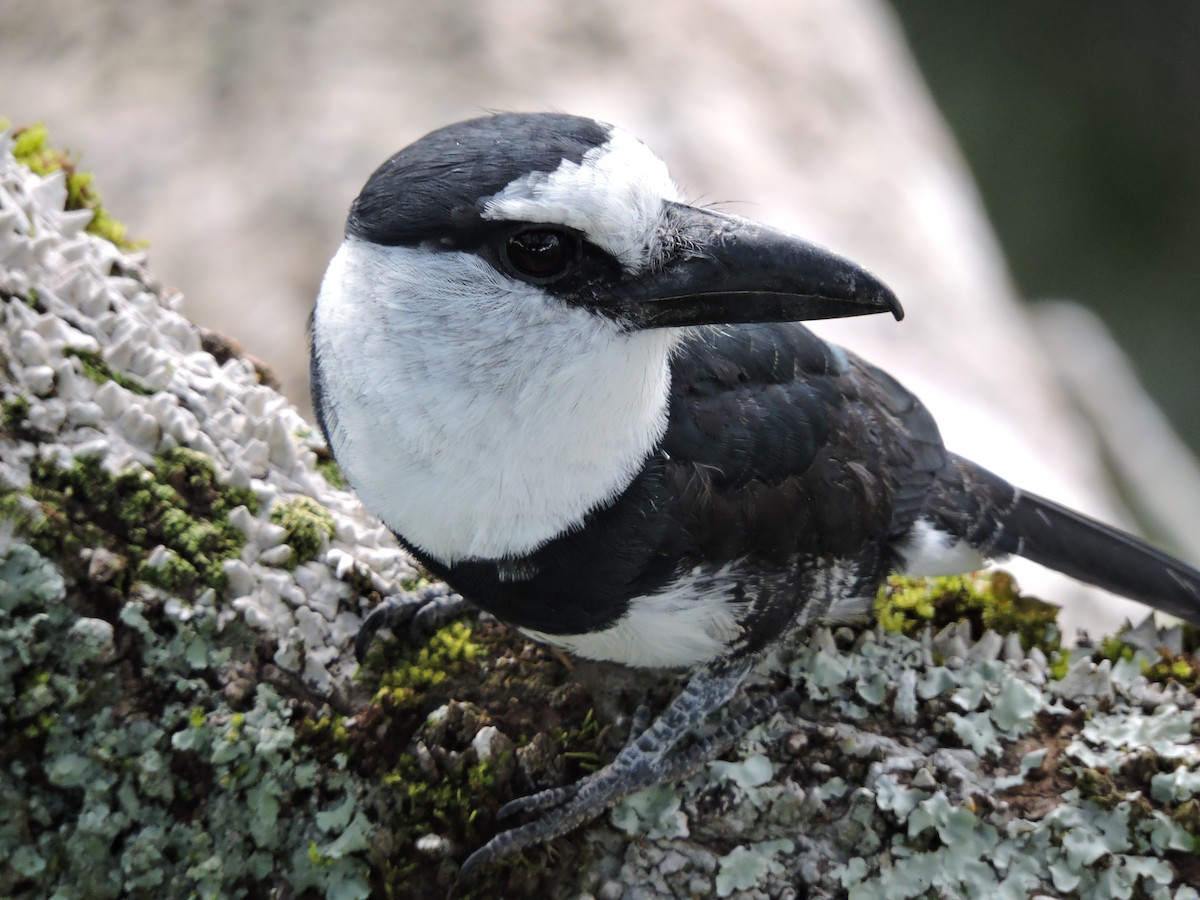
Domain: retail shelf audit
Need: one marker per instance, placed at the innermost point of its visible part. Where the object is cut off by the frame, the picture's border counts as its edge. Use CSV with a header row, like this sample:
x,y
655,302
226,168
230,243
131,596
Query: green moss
x,y
331,472
97,370
179,504
415,742
1113,648
30,299
444,656
325,462
176,575
194,477
1098,786
1164,667
582,743
13,414
449,802
1060,663
986,600
332,727
308,526
1187,814
32,149
430,777
457,802
1182,670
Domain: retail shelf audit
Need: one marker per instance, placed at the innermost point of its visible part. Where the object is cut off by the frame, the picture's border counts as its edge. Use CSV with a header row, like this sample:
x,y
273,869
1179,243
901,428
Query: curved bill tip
x,y
889,301
740,271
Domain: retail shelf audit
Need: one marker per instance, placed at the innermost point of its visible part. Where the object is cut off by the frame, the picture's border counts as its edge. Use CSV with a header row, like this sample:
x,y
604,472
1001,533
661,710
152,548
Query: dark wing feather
x,y
781,445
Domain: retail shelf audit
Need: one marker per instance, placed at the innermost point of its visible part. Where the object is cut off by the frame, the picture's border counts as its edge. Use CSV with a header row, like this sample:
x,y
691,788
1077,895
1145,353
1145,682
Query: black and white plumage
x,y
586,405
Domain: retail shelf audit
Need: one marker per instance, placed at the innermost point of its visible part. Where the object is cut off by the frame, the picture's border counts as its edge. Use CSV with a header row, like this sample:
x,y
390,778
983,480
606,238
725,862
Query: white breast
x,y
693,621
927,551
477,419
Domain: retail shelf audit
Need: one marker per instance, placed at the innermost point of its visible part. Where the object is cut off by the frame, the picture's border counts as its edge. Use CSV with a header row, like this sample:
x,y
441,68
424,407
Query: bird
x,y
590,408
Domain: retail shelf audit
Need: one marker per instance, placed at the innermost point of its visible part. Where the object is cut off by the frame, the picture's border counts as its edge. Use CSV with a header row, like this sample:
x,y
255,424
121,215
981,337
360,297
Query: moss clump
x,y
13,415
1113,648
1184,670
432,782
448,802
416,680
32,149
418,669
308,526
1098,786
988,600
331,472
97,370
178,504
1162,665
194,477
445,791
1187,814
582,743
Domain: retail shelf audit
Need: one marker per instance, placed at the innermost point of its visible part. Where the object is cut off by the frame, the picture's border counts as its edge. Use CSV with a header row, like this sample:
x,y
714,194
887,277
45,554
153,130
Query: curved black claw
x,y
423,611
546,799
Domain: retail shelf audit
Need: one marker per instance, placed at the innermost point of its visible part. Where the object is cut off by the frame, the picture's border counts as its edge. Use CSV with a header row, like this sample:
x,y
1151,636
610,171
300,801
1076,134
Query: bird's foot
x,y
646,759
424,611
552,797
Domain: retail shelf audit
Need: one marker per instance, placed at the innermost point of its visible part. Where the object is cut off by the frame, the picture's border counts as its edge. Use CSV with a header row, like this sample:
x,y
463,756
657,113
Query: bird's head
x,y
589,217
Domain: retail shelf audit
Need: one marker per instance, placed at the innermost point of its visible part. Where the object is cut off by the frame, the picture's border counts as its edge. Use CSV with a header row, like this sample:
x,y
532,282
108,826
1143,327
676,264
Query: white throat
x,y
476,419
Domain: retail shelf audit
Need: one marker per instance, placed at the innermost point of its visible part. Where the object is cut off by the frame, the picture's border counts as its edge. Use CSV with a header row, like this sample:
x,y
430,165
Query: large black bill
x,y
741,271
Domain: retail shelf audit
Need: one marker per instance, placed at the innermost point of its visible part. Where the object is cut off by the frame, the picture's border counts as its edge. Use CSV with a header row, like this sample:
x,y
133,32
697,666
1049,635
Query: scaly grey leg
x,y
645,760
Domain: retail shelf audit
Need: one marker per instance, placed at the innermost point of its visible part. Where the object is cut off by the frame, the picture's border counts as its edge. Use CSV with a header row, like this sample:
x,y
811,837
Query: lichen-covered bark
x,y
181,579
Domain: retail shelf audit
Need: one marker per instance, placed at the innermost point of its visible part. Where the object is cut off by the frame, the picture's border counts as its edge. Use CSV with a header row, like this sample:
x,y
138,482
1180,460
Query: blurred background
x,y
234,134
1080,121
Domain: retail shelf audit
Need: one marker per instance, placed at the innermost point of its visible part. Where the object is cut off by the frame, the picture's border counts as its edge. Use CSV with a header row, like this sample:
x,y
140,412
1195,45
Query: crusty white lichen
x,y
145,745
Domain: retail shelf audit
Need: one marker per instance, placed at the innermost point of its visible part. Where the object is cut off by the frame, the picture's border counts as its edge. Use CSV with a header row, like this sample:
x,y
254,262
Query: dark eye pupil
x,y
540,254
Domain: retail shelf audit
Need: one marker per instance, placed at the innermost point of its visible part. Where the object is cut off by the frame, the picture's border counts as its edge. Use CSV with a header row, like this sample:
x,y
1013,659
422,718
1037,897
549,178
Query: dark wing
x,y
780,444
779,448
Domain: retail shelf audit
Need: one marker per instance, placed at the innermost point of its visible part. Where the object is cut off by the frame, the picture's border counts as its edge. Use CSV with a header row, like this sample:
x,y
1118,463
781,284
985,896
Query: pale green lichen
x,y
653,812
968,856
745,866
119,780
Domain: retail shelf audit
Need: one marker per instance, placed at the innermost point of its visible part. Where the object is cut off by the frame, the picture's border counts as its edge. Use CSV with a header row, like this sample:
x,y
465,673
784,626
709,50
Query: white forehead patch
x,y
614,196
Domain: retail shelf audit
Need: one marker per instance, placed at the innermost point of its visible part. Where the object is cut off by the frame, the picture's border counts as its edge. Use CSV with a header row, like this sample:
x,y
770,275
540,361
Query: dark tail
x,y
999,519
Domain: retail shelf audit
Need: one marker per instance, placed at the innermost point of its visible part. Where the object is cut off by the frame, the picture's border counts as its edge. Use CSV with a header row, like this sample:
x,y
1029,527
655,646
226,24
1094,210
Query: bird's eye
x,y
541,255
